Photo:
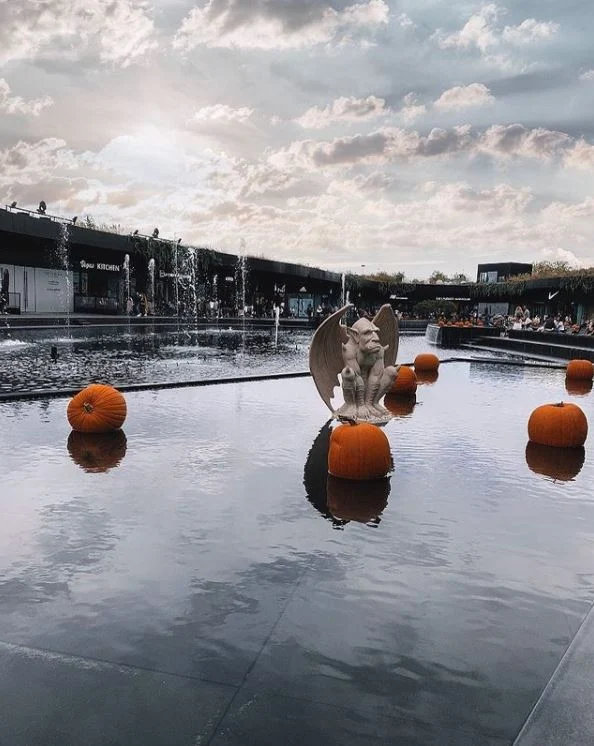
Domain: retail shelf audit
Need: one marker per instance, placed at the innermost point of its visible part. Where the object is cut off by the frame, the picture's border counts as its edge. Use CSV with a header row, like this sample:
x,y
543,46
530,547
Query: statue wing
x,y
387,323
325,354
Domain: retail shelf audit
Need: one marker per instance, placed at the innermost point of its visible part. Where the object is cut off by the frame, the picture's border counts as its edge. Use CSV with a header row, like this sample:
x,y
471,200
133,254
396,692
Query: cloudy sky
x,y
404,135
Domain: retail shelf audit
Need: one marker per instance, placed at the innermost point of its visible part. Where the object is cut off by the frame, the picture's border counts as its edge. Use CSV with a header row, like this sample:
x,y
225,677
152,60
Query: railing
x,y
38,214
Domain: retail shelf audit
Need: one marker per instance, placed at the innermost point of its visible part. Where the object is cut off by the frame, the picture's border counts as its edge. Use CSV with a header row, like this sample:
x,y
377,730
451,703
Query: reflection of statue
x,y
367,367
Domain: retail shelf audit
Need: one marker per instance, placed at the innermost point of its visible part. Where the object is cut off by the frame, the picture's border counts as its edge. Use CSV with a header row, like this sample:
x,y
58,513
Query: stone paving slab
x,y
564,713
57,700
294,722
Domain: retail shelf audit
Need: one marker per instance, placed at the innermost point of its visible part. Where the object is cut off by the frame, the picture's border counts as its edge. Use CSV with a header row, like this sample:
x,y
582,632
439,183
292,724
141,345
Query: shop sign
x,y
99,265
173,276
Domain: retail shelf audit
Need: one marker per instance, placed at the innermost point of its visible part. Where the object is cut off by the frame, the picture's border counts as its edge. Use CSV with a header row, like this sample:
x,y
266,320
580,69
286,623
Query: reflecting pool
x,y
142,356
198,580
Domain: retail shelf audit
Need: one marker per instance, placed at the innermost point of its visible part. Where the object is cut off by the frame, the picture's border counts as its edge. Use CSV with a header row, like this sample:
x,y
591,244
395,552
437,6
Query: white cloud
x,y
258,24
464,96
412,108
587,75
392,144
580,156
405,21
18,105
529,31
377,181
483,33
563,255
479,31
344,109
117,32
515,140
220,113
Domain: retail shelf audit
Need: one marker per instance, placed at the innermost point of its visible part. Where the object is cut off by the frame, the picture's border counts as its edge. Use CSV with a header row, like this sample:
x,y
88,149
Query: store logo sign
x,y
99,265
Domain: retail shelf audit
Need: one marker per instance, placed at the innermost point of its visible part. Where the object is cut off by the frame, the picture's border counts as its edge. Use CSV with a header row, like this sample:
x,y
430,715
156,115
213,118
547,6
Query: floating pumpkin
x,y
427,377
560,464
581,370
400,406
97,452
426,361
405,383
577,386
97,409
562,425
357,501
359,451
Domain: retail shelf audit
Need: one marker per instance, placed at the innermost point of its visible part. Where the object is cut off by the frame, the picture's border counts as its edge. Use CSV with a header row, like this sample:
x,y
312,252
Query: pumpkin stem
x,y
88,407
559,404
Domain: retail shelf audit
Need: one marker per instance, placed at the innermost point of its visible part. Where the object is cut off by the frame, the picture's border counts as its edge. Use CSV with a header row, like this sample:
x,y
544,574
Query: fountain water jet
x,y
276,325
151,272
63,257
241,290
127,304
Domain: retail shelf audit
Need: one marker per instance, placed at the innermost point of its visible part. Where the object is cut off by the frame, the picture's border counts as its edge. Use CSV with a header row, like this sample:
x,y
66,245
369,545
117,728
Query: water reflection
x,y
97,453
558,464
341,500
428,377
315,473
400,406
357,501
575,387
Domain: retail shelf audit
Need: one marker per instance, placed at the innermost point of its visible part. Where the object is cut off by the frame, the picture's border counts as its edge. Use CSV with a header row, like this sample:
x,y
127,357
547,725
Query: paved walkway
x,y
564,714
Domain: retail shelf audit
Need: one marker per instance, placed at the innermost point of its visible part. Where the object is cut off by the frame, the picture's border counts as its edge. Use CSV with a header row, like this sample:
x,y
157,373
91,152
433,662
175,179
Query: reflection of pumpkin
x,y
561,464
359,451
582,370
426,361
357,501
97,409
405,383
427,376
97,452
563,425
577,387
400,406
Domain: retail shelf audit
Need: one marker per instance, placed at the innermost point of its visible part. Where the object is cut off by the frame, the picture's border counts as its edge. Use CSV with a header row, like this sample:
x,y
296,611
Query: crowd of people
x,y
552,323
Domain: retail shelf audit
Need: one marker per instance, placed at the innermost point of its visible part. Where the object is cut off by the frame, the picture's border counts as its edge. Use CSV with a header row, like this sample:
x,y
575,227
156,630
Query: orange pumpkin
x,y
426,361
97,452
400,406
357,501
97,409
562,425
427,377
405,383
560,464
578,387
581,370
360,451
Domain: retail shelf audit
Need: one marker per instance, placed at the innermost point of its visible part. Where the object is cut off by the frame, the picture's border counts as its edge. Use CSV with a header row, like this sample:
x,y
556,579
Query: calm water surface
x,y
276,608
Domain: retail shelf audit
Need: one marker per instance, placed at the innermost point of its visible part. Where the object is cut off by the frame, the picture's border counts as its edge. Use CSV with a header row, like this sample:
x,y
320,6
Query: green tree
x,y
459,278
427,307
394,278
438,276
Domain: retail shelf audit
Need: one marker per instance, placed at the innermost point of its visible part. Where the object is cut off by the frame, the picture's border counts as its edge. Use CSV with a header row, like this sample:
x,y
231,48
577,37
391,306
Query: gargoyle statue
x,y
367,368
